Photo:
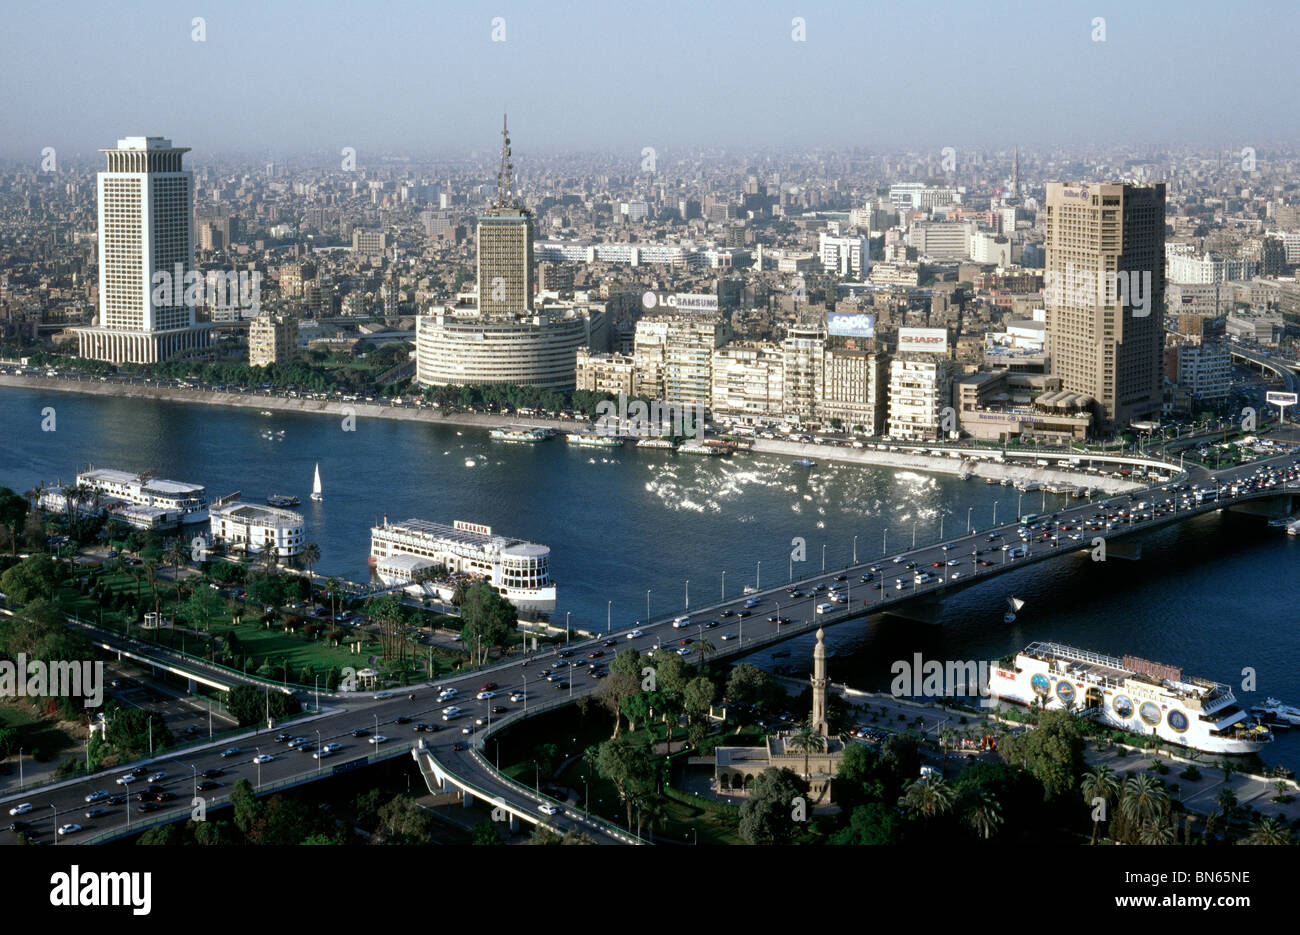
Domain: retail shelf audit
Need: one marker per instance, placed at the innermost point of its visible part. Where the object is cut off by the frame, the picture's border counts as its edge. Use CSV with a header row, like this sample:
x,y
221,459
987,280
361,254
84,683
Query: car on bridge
x,y
228,752
547,808
451,712
98,795
635,634
22,809
69,829
263,758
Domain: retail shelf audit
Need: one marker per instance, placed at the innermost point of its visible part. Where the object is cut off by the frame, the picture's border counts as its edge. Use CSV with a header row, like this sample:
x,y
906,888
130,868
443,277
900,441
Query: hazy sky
x,y
274,78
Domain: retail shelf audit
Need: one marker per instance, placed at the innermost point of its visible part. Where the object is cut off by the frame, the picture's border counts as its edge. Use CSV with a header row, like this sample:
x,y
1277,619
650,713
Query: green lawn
x,y
38,733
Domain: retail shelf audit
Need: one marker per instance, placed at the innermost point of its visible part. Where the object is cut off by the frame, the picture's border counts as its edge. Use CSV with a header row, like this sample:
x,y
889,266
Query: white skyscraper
x,y
146,227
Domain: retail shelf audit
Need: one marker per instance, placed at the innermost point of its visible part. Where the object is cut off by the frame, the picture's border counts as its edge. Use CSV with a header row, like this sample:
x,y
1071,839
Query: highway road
x,y
730,626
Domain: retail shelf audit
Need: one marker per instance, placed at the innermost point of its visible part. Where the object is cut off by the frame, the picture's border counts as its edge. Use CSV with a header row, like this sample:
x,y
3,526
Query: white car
x,y
728,636
332,746
21,809
263,758
546,808
485,695
378,738
126,780
517,696
451,712
322,753
684,651
158,776
635,634
69,829
98,795
448,693
380,696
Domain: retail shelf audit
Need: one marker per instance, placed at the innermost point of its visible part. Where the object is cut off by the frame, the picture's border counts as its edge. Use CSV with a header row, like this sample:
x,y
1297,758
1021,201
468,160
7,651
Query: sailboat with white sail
x,y
1013,604
316,492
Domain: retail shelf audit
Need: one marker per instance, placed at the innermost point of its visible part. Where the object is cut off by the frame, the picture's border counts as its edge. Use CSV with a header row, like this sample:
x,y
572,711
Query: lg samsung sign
x,y
682,301
925,340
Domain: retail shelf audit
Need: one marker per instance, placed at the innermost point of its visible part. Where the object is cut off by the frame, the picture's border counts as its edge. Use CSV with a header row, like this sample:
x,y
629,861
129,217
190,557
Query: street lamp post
x,y
319,758
609,615
647,605
54,808
855,550
884,542
724,586
688,593
823,558
758,575
995,513
566,627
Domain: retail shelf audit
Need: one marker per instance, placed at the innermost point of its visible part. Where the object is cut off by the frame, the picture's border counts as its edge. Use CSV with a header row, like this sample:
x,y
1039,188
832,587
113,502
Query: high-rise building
x,y
803,352
1104,295
146,241
271,340
747,383
505,246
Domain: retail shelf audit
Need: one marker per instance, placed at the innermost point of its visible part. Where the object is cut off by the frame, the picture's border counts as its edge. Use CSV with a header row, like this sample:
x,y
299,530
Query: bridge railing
x,y
167,817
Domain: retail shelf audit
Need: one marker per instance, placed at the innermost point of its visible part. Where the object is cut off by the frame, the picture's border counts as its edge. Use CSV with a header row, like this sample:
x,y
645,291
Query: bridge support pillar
x,y
927,609
1128,551
514,823
466,799
189,686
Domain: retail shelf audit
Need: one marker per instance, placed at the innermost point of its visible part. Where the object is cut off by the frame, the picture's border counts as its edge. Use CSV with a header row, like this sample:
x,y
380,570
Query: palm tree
x,y
806,739
984,814
175,556
1159,831
332,589
151,572
310,556
930,798
1101,783
706,649
1268,831
1144,800
1227,801
269,559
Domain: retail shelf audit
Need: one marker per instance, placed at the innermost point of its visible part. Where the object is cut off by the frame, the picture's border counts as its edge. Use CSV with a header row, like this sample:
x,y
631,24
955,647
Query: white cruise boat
x,y
593,440
413,551
520,433
1275,712
1132,694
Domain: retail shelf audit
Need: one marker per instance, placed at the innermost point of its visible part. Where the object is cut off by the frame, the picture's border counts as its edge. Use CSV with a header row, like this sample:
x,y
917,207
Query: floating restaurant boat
x,y
519,433
281,501
411,552
703,448
666,443
1133,694
592,440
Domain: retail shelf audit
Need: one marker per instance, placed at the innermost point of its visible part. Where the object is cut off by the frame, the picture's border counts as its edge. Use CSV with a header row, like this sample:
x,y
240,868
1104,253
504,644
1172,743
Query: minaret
x,y
819,685
1015,174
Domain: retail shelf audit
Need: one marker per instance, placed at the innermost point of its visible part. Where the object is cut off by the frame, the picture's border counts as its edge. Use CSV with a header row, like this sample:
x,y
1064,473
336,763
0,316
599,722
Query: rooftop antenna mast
x,y
505,185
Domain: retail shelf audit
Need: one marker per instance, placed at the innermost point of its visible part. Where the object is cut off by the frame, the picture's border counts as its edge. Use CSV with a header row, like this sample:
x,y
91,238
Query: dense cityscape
x,y
388,495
